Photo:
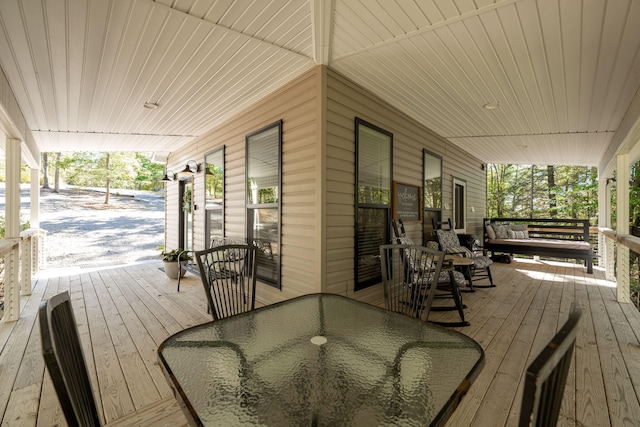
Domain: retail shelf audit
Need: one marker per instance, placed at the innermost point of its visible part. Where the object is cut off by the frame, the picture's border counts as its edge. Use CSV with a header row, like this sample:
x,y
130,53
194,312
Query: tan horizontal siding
x,y
318,162
295,105
345,102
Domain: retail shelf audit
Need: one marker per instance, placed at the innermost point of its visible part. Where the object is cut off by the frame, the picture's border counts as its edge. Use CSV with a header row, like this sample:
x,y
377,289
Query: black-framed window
x,y
374,148
459,205
264,186
432,192
214,194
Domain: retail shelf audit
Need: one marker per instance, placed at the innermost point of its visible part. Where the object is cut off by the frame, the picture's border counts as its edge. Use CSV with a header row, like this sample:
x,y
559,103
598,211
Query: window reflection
x,y
214,194
374,160
263,197
432,181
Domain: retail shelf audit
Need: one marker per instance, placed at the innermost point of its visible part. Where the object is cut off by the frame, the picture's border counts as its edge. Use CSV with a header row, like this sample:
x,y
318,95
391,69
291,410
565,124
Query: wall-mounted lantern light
x,y
191,167
168,176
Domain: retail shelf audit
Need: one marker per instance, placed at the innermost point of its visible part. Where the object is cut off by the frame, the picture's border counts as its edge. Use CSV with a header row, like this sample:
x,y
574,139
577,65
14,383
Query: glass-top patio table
x,y
323,360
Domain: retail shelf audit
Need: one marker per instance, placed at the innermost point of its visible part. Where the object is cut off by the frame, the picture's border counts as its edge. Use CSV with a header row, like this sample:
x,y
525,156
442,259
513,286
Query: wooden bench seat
x,y
557,238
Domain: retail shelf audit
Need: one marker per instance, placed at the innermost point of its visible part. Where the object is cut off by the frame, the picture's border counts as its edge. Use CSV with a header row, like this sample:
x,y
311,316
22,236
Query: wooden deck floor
x,y
125,313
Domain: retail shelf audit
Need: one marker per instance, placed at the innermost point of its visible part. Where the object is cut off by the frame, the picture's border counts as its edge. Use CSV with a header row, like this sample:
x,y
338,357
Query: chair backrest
x,y
219,241
445,234
447,239
546,376
400,234
442,225
228,274
408,275
65,361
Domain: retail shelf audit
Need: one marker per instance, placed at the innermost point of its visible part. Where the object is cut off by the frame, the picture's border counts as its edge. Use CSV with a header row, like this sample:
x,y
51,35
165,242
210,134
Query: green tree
x,y
551,184
126,170
497,175
56,180
148,173
536,191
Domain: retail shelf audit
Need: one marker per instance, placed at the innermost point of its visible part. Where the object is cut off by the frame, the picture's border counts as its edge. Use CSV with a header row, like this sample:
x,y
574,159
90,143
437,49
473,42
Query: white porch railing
x,y
614,255
23,258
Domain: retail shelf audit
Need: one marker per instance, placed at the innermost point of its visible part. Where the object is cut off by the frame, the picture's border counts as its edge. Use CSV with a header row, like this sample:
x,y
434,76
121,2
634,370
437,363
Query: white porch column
x,y
622,226
602,219
12,201
12,231
34,205
607,257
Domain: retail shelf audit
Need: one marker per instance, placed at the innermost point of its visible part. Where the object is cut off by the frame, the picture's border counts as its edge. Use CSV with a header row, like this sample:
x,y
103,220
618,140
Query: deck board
x,y
590,404
124,313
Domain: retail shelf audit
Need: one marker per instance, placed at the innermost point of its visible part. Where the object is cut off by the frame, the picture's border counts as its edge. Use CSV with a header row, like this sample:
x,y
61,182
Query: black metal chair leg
x,y
457,297
490,285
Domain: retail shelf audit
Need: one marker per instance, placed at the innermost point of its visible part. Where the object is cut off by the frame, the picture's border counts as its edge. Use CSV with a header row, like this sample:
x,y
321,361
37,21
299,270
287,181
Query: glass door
x,y
186,214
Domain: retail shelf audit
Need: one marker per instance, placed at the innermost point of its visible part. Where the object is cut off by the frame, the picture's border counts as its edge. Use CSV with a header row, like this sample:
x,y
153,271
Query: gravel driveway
x,y
84,232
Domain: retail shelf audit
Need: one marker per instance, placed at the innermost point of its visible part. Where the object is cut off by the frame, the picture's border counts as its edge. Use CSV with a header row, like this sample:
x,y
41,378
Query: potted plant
x,y
171,259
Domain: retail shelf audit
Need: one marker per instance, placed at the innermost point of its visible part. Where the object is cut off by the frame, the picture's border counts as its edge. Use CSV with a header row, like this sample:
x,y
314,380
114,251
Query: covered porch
x,y
124,313
432,97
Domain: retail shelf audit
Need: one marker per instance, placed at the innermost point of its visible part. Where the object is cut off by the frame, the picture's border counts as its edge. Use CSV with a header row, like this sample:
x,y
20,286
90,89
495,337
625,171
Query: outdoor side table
x,y
464,265
319,359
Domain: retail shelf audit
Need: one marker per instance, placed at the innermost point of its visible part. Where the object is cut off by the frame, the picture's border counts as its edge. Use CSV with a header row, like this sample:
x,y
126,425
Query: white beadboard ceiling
x,y
564,72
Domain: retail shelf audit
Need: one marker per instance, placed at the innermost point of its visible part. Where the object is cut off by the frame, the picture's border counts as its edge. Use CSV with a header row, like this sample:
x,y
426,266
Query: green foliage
x,y
634,193
214,183
533,191
262,194
175,255
376,195
148,173
634,198
187,199
23,226
577,192
25,171
126,170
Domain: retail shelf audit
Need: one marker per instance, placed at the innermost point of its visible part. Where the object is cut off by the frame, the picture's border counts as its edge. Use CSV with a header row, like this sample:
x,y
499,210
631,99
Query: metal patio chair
x,y
546,376
450,281
191,266
64,358
228,274
408,274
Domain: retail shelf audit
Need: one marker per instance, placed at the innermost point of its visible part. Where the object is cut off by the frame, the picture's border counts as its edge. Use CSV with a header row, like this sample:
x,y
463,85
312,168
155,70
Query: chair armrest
x,y
191,268
456,251
480,250
447,264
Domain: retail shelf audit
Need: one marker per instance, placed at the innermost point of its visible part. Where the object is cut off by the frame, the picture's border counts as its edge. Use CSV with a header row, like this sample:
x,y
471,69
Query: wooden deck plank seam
x,y
139,307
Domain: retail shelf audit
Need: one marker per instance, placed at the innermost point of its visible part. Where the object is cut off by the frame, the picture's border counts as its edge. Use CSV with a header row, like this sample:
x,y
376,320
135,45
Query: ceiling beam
x,y
321,29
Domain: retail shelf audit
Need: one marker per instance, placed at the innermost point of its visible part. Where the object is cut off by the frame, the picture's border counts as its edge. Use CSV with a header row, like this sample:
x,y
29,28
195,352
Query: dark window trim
x,y
357,123
455,208
224,194
278,283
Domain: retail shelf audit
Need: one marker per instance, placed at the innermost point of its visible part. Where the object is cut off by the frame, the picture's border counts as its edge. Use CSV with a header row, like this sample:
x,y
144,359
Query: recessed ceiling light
x,y
150,105
492,105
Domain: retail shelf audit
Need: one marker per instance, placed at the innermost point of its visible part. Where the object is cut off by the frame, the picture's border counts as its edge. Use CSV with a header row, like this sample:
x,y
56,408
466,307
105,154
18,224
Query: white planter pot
x,y
172,269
